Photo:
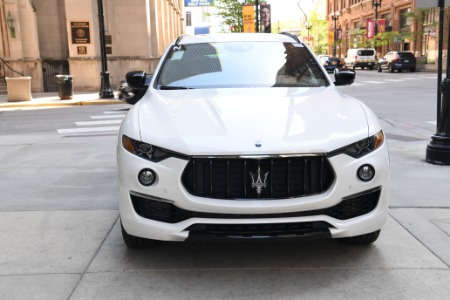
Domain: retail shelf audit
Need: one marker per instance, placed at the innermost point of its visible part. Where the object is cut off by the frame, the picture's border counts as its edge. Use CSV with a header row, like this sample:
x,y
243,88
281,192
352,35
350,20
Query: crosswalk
x,y
389,80
109,122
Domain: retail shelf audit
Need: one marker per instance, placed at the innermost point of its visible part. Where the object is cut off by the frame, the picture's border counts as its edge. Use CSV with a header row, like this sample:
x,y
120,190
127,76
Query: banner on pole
x,y
248,16
370,29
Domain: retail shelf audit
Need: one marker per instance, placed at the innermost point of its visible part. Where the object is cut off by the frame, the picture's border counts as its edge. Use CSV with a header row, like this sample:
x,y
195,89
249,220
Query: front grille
x,y
349,207
250,178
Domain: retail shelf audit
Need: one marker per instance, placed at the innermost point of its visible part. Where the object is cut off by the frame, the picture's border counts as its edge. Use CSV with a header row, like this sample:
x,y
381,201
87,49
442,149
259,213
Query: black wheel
x,y
371,68
413,69
379,68
390,68
364,239
135,242
353,66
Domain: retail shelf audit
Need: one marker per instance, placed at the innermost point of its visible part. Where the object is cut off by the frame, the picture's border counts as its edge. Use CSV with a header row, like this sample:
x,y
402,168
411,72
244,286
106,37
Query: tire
x,y
371,68
135,242
364,239
413,69
353,66
390,68
379,68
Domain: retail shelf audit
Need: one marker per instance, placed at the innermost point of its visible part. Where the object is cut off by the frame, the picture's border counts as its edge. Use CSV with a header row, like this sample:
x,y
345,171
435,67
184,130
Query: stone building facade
x,y
43,38
408,28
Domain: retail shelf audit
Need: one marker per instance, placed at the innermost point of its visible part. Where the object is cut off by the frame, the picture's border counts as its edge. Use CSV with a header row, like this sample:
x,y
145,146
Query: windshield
x,y
366,52
239,64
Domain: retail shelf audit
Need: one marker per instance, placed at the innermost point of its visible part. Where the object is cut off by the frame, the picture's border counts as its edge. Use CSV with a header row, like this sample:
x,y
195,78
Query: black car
x,y
396,60
331,63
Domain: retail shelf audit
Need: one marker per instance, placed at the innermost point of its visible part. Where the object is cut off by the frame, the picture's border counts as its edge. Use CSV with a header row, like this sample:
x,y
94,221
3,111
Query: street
x,y
60,232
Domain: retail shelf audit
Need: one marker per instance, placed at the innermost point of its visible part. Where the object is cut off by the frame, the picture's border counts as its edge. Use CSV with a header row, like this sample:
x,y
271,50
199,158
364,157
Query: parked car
x,y
331,63
396,60
361,58
244,136
134,86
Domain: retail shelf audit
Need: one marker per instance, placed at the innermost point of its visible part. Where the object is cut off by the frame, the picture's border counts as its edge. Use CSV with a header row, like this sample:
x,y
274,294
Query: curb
x,y
60,103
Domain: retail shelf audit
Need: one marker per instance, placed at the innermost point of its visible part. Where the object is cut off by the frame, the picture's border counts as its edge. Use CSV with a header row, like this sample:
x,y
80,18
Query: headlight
x,y
362,147
147,151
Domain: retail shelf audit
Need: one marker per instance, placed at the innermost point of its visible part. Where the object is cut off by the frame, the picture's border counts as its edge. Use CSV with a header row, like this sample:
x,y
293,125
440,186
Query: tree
x,y
230,11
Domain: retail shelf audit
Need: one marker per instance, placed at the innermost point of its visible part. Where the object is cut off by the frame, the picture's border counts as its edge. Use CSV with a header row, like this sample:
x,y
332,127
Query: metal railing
x,y
11,69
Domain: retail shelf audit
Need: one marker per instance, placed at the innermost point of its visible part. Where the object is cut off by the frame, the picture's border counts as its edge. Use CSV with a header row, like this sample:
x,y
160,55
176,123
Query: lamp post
x,y
257,15
308,26
438,150
10,21
376,4
334,17
105,87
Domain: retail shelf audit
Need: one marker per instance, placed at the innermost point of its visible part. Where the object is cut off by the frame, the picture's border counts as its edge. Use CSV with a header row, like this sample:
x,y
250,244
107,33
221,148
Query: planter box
x,y
19,88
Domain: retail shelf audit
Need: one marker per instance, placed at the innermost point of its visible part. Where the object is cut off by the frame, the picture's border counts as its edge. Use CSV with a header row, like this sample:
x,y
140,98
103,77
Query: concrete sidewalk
x,y
52,99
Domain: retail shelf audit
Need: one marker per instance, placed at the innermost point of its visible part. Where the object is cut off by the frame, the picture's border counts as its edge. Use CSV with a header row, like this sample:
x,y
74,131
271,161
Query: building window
x,y
188,18
405,18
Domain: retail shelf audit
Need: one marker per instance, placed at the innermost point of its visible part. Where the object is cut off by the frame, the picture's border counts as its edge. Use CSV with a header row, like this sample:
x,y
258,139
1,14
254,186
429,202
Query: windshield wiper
x,y
174,87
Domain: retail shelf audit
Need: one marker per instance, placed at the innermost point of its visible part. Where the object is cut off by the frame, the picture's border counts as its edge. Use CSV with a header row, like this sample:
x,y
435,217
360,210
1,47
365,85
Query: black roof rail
x,y
291,35
177,42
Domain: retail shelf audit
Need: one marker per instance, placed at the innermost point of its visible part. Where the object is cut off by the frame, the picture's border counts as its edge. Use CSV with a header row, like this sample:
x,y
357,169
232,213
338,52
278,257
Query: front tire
x,y
379,68
364,239
135,242
390,68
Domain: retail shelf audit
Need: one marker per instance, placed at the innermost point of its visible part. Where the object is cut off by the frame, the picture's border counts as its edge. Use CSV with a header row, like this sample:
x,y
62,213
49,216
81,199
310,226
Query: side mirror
x,y
136,78
344,76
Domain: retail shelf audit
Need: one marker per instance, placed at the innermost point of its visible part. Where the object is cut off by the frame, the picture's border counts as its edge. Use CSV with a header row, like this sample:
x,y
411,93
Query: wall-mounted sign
x,y
80,33
188,3
81,50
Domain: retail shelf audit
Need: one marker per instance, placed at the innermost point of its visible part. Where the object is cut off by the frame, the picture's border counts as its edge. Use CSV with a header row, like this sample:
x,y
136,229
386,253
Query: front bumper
x,y
165,211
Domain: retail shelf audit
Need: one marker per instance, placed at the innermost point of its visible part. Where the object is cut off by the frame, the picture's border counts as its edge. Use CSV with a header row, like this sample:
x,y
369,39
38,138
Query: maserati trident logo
x,y
259,180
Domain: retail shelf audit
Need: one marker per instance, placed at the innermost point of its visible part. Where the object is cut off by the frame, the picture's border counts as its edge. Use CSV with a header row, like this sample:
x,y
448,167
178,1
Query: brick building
x,y
405,28
42,38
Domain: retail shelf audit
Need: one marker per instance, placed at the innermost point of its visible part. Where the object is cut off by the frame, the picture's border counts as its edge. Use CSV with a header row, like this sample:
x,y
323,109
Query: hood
x,y
251,121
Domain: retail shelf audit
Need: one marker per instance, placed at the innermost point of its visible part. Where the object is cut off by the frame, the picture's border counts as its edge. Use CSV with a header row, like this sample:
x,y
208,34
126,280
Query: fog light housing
x,y
146,177
366,173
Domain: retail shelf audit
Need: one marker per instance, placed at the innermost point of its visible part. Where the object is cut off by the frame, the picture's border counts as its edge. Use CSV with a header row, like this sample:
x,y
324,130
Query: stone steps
x,y
3,89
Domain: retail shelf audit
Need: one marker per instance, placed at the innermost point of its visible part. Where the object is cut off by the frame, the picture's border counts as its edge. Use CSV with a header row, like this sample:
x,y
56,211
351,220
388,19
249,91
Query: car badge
x,y
258,144
259,180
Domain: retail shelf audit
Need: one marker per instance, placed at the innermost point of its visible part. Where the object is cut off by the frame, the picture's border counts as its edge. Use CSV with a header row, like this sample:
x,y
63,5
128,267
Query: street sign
x,y
430,3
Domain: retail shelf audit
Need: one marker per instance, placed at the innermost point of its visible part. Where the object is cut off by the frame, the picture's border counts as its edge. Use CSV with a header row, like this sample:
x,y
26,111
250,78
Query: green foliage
x,y
230,11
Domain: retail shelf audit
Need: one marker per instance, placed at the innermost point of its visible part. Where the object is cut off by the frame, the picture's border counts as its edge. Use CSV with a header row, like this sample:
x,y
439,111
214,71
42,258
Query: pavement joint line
x,y
436,255
85,271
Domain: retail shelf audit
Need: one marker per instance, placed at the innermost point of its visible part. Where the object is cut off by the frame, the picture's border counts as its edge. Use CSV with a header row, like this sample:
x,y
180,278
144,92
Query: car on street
x,y
360,58
245,136
330,63
397,61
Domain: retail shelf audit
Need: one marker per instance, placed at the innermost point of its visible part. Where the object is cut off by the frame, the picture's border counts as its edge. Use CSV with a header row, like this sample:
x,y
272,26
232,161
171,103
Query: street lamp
x,y
335,17
376,4
308,26
105,87
10,21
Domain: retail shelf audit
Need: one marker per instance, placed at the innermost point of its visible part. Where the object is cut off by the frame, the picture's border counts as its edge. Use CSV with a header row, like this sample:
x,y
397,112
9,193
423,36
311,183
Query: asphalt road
x,y
60,236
